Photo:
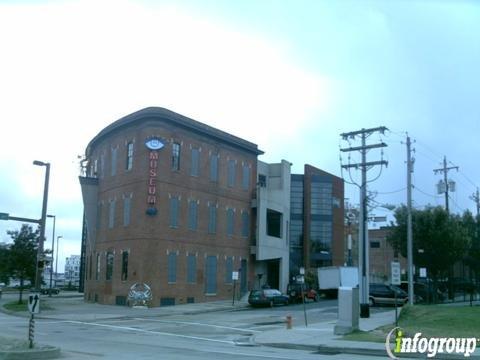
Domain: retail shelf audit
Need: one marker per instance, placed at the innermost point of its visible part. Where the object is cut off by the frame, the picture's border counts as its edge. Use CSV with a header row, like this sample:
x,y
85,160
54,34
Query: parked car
x,y
381,294
423,292
294,292
46,291
267,297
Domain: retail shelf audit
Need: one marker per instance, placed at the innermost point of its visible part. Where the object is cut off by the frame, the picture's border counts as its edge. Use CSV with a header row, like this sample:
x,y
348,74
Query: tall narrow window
x,y
246,177
231,173
99,216
192,215
126,210
245,224
102,165
211,275
176,156
191,269
228,270
172,267
111,214
214,167
109,267
230,222
212,219
113,168
174,211
124,265
97,274
90,267
195,161
129,164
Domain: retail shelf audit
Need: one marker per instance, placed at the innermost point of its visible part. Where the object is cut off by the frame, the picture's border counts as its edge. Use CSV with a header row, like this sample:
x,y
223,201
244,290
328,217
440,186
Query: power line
x,y
391,192
415,187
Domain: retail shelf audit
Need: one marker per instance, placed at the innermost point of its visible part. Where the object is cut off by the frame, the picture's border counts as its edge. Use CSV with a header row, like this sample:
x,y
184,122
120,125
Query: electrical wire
x,y
392,192
425,193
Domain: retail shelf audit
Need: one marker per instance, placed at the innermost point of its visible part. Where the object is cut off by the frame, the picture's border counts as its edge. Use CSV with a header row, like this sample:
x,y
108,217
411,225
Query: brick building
x,y
168,203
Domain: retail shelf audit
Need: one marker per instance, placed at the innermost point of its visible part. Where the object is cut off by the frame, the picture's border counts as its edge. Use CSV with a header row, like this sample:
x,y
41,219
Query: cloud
x,y
70,68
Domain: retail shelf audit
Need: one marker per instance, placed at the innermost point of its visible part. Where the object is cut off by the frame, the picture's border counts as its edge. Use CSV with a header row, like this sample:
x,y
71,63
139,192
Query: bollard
x,y
289,322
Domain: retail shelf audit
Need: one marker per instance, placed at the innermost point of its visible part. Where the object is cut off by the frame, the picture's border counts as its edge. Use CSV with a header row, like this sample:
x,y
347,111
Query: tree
x,y
441,238
4,273
472,226
22,255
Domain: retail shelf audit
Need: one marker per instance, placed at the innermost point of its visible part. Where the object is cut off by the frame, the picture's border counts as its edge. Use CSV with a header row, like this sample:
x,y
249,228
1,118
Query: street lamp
x,y
56,257
38,274
53,248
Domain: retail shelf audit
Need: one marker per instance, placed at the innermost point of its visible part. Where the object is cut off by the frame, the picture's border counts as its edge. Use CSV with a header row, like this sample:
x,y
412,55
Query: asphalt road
x,y
215,335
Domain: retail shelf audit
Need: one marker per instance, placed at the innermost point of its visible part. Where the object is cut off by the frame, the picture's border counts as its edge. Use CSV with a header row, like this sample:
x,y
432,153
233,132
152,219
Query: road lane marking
x,y
200,324
128,328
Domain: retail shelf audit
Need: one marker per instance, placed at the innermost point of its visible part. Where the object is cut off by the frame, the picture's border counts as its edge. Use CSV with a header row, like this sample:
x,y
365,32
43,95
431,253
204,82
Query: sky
x,y
290,76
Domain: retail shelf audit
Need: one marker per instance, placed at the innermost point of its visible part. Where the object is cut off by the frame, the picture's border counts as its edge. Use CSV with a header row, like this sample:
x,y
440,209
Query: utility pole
x,y
445,171
475,197
409,223
364,167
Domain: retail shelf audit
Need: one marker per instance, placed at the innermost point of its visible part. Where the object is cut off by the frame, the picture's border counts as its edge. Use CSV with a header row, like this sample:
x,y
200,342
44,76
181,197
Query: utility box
x,y
348,310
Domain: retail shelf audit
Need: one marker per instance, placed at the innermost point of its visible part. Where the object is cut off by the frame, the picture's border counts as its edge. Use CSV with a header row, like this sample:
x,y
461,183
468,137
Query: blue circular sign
x,y
154,143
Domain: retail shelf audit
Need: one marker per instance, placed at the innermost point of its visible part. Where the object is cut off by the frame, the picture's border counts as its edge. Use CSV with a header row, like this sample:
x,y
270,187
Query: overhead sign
x,y
34,304
4,216
396,273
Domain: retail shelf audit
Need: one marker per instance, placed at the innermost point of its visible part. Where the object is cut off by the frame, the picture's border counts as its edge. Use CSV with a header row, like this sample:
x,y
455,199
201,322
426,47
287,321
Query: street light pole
x,y
38,275
53,248
56,257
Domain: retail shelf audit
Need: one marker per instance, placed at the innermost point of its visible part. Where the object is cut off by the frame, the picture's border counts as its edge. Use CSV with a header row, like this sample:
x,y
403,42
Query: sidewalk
x,y
320,338
72,307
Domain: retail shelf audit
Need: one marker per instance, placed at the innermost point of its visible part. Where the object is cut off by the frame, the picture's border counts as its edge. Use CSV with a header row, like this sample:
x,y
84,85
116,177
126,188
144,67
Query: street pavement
x,y
215,330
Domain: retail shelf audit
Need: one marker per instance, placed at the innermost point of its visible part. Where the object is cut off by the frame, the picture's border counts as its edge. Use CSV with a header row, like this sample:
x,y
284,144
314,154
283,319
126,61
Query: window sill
x,y
214,294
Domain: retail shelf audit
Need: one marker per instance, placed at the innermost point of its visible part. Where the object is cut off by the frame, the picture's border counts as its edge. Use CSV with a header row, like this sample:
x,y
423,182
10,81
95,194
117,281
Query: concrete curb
x,y
43,352
335,350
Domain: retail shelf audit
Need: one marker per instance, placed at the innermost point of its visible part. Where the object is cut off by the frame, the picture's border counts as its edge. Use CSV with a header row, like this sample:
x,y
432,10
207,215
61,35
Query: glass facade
x,y
296,224
321,221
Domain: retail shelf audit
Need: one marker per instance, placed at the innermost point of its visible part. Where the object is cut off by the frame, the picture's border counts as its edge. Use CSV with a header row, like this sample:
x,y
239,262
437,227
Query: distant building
x,y
316,220
381,255
72,270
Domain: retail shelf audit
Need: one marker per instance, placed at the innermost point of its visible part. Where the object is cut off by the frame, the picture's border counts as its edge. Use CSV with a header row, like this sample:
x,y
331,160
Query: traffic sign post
x,y
396,280
34,308
234,278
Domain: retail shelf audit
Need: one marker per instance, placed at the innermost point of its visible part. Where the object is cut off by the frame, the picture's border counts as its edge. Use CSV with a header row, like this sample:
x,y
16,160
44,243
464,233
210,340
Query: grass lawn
x,y
15,306
431,321
441,320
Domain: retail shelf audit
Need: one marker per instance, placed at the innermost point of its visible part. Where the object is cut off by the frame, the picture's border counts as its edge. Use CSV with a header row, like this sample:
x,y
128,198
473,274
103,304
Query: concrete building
x,y
271,212
316,220
168,203
72,270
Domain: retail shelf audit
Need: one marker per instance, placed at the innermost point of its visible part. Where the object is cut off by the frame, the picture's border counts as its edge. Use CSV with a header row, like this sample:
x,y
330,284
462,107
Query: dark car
x,y
267,297
382,294
294,292
423,292
46,291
